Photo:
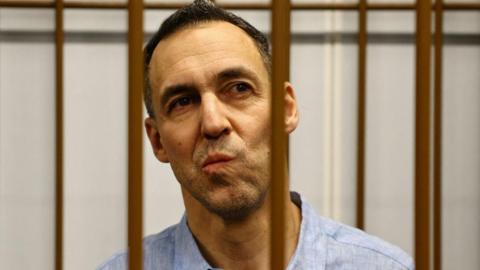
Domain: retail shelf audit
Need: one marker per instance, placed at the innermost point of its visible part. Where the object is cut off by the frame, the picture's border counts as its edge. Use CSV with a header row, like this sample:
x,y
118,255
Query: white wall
x,y
27,145
323,148
461,157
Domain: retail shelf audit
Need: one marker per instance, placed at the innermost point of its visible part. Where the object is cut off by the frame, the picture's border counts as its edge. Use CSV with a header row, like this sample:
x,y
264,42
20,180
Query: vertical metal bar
x,y
280,73
135,149
362,51
59,135
437,167
422,136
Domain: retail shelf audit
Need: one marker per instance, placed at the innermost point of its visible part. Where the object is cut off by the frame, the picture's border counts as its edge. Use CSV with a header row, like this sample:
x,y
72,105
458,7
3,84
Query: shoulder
x,y
348,245
338,246
158,249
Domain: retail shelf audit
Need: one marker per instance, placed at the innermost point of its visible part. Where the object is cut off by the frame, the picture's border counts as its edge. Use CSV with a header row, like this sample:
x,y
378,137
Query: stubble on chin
x,y
230,199
236,203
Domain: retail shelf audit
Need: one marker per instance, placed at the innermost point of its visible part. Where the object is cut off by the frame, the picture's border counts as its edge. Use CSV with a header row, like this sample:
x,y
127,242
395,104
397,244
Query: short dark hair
x,y
200,11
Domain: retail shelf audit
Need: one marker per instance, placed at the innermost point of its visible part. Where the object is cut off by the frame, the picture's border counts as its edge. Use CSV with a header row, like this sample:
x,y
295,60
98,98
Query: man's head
x,y
200,11
210,101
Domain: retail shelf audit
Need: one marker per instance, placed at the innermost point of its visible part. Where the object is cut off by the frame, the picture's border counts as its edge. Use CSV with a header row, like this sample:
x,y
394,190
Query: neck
x,y
242,244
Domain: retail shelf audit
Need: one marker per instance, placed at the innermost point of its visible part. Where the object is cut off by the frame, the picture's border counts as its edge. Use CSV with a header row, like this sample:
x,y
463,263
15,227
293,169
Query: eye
x,y
241,88
180,102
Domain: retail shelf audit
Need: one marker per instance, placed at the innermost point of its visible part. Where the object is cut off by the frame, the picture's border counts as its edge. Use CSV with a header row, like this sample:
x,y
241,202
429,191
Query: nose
x,y
214,120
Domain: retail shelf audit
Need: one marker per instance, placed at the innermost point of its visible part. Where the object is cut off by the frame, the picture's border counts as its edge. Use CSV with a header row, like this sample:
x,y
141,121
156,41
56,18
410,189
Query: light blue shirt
x,y
323,245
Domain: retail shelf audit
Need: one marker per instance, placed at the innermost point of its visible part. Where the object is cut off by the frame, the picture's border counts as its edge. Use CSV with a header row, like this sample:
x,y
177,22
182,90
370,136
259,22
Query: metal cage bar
x,y
437,158
362,51
59,36
135,146
279,186
422,136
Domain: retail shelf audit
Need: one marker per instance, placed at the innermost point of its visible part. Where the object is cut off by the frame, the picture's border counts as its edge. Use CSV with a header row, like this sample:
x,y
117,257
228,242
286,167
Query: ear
x,y
291,112
155,141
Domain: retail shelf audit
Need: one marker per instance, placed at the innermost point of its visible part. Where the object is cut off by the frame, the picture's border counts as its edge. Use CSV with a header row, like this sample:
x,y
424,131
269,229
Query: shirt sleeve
x,y
117,262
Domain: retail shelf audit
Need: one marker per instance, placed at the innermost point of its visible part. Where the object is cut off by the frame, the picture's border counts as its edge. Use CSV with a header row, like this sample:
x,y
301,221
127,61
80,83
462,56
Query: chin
x,y
233,204
236,208
232,198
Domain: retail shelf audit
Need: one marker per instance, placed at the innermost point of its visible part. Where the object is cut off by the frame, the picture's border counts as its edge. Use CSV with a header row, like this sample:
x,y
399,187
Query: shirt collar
x,y
309,254
311,248
187,253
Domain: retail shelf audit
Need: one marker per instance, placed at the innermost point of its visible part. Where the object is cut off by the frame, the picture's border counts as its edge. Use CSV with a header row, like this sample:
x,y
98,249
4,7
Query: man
x,y
207,94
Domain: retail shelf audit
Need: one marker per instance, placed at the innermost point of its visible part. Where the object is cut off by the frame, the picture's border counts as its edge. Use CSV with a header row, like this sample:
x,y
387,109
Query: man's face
x,y
211,95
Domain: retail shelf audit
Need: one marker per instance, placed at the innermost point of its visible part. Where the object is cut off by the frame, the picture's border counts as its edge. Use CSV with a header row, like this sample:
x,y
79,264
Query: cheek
x,y
262,122
178,143
177,149
257,133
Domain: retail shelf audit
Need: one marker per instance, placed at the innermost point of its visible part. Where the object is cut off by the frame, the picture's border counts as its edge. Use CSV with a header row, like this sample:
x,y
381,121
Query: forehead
x,y
199,51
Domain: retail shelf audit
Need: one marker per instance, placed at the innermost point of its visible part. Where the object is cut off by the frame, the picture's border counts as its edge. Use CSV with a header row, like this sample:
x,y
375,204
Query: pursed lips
x,y
215,161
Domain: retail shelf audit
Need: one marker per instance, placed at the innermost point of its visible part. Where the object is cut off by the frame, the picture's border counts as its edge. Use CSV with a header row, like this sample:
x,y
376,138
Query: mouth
x,y
215,162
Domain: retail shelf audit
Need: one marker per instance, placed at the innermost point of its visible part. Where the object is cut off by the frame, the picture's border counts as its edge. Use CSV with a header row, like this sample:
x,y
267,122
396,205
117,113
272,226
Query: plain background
x,y
323,148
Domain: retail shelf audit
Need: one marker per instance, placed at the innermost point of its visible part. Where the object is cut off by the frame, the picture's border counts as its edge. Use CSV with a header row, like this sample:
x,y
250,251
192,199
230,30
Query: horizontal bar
x,y
461,6
391,6
27,4
95,5
237,6
296,38
323,6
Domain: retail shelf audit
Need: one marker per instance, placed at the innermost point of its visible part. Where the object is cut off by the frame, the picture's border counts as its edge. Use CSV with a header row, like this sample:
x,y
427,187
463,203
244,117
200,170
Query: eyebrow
x,y
236,72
